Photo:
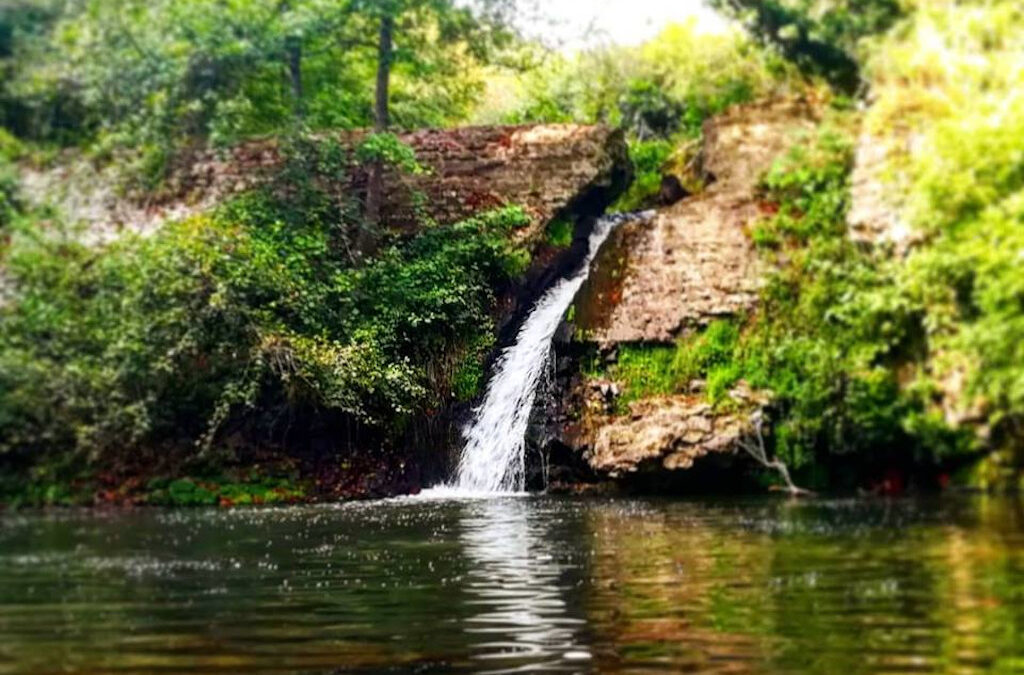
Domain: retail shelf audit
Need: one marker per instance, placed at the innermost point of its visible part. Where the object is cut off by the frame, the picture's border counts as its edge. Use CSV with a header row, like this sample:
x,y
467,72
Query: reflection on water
x,y
516,588
519,584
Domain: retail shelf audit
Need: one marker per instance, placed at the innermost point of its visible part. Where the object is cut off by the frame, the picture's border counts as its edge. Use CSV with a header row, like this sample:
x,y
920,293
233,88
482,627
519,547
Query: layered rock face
x,y
547,169
659,281
670,432
694,262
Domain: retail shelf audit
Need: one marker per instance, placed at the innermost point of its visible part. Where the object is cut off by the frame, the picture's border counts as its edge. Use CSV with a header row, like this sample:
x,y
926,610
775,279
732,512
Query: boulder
x,y
660,280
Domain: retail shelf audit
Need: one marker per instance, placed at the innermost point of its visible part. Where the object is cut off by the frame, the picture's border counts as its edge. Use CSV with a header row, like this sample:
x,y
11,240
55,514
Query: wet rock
x,y
672,432
694,262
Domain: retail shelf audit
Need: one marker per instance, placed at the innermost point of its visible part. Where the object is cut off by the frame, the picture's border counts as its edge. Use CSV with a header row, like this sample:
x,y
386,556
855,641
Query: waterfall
x,y
493,456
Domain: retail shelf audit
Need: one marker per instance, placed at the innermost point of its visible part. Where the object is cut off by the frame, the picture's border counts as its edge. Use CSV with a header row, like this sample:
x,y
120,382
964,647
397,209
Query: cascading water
x,y
493,458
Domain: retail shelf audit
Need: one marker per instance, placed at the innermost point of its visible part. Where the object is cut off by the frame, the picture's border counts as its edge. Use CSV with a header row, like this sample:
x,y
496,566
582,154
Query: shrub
x,y
155,346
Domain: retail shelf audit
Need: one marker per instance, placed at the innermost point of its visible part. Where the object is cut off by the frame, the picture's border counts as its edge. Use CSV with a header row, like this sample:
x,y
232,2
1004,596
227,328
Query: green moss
x,y
657,370
222,491
645,371
559,233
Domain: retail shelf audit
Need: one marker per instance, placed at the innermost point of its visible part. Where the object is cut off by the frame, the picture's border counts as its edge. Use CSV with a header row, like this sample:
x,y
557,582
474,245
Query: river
x,y
519,584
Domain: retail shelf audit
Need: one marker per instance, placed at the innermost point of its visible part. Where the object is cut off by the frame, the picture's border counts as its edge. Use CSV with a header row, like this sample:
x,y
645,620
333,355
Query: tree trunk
x,y
385,48
294,49
367,241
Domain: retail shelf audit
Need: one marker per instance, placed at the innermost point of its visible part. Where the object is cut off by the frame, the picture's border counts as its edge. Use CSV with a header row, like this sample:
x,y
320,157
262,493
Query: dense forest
x,y
207,361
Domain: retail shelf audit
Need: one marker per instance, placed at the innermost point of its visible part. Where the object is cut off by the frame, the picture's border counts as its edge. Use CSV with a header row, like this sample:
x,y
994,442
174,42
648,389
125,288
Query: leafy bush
x,y
833,329
821,37
219,490
668,85
649,160
559,233
954,73
152,349
648,112
388,149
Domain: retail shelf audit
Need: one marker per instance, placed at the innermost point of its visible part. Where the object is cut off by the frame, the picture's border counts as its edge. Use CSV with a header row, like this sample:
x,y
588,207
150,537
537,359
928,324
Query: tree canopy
x,y
145,73
820,36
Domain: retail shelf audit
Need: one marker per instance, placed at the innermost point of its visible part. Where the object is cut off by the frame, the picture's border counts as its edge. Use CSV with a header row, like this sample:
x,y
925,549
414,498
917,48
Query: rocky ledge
x,y
667,432
658,281
548,169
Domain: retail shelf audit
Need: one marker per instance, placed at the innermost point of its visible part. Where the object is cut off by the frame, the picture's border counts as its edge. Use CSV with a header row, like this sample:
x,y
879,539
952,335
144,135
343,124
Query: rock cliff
x,y
547,169
658,281
694,262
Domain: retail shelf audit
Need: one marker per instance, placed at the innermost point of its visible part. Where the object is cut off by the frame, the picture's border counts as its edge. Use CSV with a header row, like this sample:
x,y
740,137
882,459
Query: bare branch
x,y
760,453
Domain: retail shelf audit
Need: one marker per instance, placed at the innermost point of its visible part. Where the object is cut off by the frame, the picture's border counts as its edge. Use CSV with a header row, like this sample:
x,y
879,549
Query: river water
x,y
519,584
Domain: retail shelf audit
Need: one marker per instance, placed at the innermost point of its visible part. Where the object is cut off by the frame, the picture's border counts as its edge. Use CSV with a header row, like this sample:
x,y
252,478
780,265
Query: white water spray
x,y
493,458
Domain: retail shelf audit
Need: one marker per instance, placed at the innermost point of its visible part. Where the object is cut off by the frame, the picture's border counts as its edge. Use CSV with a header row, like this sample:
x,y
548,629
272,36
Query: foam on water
x,y
492,459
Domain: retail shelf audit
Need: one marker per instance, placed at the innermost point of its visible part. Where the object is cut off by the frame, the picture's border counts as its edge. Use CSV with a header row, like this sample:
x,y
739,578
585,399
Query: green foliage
x,y
389,150
10,204
834,340
220,490
833,328
153,346
9,201
954,74
139,80
468,376
11,149
666,86
820,36
660,92
559,233
647,111
658,370
645,371
809,187
649,159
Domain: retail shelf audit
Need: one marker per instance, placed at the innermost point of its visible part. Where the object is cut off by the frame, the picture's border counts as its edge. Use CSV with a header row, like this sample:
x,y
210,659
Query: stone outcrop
x,y
547,169
875,216
694,262
656,282
671,432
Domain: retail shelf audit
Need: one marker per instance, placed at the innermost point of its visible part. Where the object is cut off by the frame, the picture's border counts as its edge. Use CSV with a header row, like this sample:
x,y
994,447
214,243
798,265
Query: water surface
x,y
519,584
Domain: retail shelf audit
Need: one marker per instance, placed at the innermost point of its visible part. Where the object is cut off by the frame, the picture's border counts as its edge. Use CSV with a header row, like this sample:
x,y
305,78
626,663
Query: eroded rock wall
x,y
545,168
694,262
658,281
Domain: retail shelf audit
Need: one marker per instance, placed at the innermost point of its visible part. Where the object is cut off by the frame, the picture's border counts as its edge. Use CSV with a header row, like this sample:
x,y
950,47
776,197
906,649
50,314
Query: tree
x,y
155,75
421,29
820,36
381,121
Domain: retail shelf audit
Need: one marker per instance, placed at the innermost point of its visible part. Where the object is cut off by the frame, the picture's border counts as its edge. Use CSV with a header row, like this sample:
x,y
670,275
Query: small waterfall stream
x,y
493,458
